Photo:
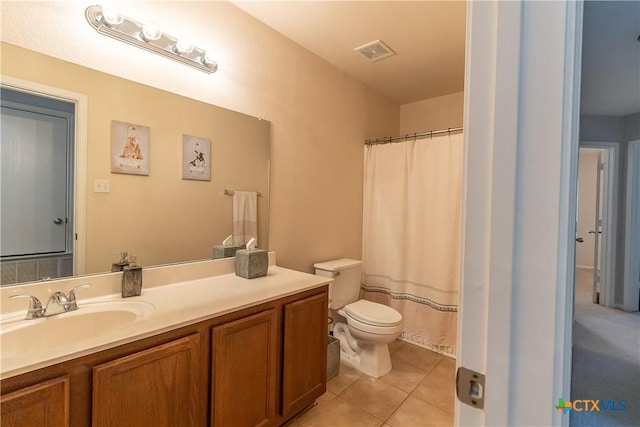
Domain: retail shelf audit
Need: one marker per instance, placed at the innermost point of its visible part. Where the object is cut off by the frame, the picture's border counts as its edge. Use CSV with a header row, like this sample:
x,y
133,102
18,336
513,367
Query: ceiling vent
x,y
375,51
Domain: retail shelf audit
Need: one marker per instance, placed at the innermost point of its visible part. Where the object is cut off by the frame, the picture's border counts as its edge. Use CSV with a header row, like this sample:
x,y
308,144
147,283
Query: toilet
x,y
369,328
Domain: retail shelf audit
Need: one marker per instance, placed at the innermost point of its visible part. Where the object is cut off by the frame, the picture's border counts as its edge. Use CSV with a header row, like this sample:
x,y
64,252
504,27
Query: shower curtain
x,y
411,232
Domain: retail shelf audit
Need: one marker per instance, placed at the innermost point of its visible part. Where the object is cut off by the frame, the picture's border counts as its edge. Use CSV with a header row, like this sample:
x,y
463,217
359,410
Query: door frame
x,y
80,158
521,123
632,242
609,219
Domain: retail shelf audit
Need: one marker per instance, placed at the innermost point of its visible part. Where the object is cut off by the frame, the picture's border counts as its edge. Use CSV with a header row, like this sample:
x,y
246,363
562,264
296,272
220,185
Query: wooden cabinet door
x,y
304,369
40,405
155,387
244,371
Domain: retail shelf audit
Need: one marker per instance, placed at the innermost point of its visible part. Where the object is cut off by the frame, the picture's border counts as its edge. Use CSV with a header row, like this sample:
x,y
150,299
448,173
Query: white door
x,y
603,223
34,182
521,119
597,219
597,231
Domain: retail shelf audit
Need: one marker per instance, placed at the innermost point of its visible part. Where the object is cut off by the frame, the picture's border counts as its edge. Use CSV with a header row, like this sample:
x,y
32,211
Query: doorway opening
x,y
37,187
605,337
75,169
597,217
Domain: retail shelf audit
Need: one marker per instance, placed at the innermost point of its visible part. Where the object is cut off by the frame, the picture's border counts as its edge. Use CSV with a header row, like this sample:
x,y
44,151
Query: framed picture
x,y
196,158
129,148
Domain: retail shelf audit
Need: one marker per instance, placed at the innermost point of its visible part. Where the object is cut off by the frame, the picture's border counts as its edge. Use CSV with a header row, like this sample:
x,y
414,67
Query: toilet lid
x,y
373,313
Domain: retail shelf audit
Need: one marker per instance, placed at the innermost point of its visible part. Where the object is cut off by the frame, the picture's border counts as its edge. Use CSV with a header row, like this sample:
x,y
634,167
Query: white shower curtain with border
x,y
411,235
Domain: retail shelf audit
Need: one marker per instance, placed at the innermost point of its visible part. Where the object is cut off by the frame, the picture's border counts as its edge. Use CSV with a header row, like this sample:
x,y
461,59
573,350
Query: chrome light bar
x,y
148,37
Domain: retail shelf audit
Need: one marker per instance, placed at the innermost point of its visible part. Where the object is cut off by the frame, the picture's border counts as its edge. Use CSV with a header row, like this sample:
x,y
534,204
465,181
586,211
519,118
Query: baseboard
x,y
425,343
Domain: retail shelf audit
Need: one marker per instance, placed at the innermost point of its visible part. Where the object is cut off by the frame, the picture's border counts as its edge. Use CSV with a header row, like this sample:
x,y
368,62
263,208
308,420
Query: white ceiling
x,y
428,37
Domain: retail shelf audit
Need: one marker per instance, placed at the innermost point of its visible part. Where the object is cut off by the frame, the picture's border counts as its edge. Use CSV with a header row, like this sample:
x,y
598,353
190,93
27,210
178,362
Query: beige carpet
x,y
606,360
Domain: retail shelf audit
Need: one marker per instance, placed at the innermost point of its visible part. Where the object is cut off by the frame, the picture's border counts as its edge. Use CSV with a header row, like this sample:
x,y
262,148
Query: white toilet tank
x,y
346,274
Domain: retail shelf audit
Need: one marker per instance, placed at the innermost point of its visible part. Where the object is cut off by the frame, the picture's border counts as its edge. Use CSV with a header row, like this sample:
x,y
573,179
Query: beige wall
x,y
319,115
432,114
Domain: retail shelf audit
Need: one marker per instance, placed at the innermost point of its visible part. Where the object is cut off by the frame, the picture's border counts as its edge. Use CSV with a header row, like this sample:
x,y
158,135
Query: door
x,y
597,216
35,180
42,405
521,123
304,368
244,371
597,231
155,387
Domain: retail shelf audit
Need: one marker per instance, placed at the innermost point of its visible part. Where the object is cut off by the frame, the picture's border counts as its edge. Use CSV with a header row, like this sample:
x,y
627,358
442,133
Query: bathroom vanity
x,y
219,350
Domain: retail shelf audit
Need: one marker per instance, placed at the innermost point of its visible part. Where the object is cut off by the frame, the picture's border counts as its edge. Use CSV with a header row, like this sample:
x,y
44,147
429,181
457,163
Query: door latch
x,y
470,387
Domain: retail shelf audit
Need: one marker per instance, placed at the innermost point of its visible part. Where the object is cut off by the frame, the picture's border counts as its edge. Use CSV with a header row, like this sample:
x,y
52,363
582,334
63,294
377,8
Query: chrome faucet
x,y
35,309
71,299
58,303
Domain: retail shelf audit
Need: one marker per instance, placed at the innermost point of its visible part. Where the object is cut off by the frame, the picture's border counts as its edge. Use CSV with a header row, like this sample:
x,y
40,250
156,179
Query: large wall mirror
x,y
161,217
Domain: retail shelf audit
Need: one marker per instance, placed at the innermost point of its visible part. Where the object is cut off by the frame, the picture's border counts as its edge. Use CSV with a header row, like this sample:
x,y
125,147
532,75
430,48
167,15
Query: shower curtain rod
x,y
392,139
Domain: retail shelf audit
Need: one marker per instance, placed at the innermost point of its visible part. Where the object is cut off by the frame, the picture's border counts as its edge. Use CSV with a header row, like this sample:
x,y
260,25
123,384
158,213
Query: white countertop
x,y
174,305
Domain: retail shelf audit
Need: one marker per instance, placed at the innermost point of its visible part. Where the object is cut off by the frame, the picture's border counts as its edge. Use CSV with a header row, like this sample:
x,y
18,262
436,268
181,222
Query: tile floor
x,y
419,391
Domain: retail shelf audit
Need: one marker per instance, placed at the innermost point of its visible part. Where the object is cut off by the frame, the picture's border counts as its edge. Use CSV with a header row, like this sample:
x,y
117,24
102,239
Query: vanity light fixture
x,y
149,37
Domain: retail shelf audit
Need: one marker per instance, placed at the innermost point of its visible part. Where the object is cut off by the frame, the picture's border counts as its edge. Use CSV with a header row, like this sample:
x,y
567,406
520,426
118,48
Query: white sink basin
x,y
19,336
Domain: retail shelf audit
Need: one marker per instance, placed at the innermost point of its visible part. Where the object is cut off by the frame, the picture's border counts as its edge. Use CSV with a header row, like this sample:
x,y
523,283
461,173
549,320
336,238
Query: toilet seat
x,y
356,326
372,314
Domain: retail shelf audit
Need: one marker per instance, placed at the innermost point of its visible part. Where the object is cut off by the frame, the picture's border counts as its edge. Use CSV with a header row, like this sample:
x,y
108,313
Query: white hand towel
x,y
245,216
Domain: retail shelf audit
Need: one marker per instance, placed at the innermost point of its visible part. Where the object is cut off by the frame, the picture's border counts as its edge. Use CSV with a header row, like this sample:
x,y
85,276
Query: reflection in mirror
x,y
161,217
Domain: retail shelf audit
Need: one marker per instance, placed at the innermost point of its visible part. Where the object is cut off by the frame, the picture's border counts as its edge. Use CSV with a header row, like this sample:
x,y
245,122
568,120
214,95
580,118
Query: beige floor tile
x,y
394,345
416,413
344,379
320,403
416,356
374,396
340,413
438,391
293,423
446,369
404,376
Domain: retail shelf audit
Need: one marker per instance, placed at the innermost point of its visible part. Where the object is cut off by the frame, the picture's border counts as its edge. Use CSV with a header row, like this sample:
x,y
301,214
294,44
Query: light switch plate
x,y
101,186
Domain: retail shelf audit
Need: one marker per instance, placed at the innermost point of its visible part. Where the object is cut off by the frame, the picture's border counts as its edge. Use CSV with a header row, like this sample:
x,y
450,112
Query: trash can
x,y
333,357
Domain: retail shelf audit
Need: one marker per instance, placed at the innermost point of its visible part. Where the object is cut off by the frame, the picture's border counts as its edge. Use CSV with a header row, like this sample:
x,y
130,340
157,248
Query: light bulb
x,y
183,46
111,17
208,61
150,32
